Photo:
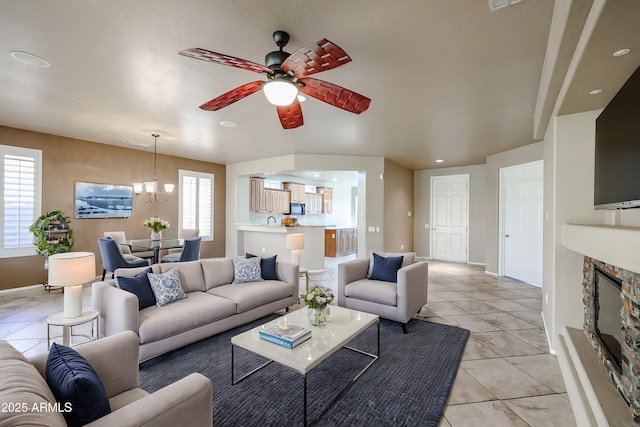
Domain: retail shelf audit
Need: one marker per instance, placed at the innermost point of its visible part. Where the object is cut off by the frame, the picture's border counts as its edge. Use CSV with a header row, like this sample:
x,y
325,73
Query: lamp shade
x,y
71,268
280,92
295,241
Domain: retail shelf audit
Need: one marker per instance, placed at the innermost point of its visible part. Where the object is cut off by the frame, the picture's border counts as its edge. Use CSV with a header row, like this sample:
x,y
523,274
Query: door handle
x,y
506,235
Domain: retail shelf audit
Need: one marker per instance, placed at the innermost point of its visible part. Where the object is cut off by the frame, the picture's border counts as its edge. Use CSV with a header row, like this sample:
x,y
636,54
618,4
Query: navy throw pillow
x,y
267,267
386,269
75,384
140,287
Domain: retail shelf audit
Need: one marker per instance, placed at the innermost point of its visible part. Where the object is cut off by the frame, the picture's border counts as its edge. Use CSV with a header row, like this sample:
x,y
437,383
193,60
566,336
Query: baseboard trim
x,y
477,263
552,350
20,289
491,273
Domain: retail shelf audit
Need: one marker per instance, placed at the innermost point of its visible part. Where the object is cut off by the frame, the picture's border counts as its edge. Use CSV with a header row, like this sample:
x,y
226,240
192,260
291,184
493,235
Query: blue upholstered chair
x,y
112,257
190,251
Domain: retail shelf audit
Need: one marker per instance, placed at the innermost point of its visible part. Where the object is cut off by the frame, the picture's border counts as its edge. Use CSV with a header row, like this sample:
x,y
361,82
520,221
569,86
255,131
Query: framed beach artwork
x,y
103,200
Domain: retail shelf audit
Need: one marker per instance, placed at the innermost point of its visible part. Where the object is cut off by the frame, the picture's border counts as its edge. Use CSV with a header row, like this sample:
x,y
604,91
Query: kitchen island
x,y
268,240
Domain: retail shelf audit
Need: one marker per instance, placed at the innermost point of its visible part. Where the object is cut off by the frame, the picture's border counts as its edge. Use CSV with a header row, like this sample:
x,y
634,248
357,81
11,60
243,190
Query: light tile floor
x,y
507,376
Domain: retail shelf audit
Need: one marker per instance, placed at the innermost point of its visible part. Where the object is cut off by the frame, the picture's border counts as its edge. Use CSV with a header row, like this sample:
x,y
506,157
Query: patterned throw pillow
x,y
246,270
166,287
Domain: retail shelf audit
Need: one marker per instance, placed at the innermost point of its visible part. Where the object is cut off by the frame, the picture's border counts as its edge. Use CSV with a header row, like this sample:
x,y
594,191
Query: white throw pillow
x,y
166,287
246,270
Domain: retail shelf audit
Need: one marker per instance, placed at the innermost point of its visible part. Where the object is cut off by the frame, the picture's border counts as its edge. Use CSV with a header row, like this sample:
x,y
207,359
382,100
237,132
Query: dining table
x,y
142,245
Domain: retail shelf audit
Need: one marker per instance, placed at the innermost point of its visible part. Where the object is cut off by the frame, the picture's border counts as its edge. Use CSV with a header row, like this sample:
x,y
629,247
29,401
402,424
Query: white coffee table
x,y
67,324
325,340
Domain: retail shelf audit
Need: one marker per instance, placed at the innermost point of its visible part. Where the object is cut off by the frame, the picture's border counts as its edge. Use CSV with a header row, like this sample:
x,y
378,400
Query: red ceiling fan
x,y
286,75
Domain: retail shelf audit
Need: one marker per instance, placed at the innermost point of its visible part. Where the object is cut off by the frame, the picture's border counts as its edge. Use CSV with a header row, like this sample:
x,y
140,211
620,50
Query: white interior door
x,y
522,221
449,217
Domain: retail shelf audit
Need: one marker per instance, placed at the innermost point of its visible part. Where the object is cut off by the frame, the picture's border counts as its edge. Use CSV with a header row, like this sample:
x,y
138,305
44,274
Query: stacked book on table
x,y
289,338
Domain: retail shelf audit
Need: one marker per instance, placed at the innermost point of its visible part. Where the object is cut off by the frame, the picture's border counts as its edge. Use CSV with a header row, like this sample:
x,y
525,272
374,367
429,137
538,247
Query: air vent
x,y
499,4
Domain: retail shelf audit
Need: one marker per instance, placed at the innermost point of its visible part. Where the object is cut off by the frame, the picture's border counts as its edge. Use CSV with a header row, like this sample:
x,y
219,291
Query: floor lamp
x,y
295,242
71,270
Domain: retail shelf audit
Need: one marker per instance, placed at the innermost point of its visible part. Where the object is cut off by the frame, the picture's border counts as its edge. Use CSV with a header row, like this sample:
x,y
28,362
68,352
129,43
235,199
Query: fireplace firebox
x,y
608,316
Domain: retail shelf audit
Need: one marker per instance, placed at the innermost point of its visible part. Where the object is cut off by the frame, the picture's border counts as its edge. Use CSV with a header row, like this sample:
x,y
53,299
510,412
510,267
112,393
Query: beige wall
x,y
518,156
477,210
66,160
398,202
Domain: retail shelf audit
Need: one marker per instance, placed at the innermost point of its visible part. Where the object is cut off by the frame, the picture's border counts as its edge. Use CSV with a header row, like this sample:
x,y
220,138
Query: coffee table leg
x,y
304,411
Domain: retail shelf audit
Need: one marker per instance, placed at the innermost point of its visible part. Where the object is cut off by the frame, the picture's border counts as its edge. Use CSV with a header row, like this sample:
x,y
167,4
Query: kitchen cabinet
x,y
313,202
297,191
340,242
257,202
276,201
327,199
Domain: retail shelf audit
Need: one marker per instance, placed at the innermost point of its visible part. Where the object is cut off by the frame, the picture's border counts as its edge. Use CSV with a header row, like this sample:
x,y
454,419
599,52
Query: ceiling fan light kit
x,y
287,75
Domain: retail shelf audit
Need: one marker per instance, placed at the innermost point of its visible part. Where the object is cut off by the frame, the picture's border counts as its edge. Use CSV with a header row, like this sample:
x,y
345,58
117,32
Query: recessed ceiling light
x,y
228,124
595,92
316,175
335,179
301,98
621,52
439,161
30,59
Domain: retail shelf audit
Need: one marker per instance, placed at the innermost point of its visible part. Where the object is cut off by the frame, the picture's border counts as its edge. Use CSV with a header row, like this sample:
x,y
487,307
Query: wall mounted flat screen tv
x,y
617,153
103,200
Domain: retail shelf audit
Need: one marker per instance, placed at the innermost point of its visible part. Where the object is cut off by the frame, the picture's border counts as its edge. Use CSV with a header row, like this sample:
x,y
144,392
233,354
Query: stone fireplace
x,y
625,375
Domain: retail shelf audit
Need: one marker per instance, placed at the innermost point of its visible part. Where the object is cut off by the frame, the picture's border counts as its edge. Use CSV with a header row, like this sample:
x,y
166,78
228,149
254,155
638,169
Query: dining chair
x,y
185,233
120,237
190,251
113,258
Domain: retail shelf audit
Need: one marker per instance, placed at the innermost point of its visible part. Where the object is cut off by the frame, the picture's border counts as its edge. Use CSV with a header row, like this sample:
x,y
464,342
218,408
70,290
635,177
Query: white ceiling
x,y
448,79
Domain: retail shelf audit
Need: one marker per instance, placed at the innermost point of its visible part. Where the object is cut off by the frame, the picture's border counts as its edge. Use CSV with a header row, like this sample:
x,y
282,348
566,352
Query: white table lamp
x,y
71,270
295,242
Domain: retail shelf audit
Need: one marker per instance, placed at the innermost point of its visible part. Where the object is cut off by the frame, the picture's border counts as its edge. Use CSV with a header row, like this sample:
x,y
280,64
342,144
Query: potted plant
x,y
52,234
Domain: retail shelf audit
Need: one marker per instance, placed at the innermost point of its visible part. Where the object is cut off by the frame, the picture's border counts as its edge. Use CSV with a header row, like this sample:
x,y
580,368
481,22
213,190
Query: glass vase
x,y
156,235
319,316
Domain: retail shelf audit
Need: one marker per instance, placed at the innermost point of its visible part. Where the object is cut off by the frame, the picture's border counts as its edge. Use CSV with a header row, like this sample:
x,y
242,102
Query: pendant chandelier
x,y
149,191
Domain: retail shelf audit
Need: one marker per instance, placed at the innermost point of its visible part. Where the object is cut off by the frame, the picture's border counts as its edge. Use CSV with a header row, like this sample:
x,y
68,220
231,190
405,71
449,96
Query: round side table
x,y
58,319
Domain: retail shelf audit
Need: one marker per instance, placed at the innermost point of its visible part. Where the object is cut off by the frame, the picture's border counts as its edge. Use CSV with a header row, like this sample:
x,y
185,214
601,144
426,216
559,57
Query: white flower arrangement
x,y
156,224
317,297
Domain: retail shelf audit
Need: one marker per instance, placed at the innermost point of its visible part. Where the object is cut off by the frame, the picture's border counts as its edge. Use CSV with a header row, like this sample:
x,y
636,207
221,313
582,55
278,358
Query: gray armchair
x,y
115,360
394,301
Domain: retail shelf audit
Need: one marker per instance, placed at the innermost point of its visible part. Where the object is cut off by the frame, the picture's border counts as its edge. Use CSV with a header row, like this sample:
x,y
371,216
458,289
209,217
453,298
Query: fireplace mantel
x,y
613,244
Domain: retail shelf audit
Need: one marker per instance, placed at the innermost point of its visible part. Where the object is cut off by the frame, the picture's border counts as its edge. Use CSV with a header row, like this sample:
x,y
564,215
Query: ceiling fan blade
x,y
218,58
320,56
232,96
335,95
290,115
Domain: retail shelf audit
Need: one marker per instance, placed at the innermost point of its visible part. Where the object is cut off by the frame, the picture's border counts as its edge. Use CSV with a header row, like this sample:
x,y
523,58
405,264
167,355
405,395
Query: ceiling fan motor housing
x,y
275,59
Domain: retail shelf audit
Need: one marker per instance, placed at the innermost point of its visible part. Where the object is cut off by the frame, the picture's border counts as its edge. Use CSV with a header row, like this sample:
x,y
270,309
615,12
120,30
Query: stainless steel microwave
x,y
296,209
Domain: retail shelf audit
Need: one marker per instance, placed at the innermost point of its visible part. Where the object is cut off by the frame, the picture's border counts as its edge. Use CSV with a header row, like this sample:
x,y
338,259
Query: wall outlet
x,y
546,298
426,226
377,229
371,229
264,251
409,213
401,247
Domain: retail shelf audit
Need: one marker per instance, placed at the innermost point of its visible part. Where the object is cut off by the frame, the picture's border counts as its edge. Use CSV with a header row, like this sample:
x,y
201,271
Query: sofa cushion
x,y
76,385
253,294
373,290
166,287
198,309
408,258
23,385
217,271
190,274
139,286
267,267
246,270
386,269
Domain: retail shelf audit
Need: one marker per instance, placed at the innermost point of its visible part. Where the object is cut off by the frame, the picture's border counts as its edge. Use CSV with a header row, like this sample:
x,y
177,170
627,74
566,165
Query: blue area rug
x,y
408,386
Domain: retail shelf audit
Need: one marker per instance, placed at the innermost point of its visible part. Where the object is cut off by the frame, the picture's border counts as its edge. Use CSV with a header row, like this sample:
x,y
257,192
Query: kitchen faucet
x,y
274,219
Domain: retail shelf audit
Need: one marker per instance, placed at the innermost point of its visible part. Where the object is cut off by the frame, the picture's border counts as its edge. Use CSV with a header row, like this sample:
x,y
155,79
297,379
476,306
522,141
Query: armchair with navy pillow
x,y
391,285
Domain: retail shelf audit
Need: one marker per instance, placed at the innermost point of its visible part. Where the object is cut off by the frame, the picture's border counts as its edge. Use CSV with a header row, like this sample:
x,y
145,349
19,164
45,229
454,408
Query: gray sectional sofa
x,y
213,304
